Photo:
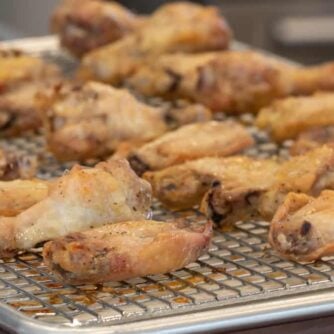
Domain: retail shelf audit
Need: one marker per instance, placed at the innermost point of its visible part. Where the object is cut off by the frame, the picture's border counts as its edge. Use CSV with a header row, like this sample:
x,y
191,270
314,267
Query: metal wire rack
x,y
239,268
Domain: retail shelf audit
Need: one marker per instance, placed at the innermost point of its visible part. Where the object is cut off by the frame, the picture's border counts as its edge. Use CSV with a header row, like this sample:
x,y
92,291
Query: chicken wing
x,y
84,25
17,165
191,142
289,117
89,121
81,199
126,250
313,138
21,77
183,186
175,27
19,195
302,228
309,174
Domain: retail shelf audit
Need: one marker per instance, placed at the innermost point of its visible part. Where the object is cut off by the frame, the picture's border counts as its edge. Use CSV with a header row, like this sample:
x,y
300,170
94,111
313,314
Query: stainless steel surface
x,y
239,283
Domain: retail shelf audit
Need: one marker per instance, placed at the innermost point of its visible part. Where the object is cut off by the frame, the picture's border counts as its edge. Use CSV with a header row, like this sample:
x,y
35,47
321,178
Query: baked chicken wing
x,y
230,81
89,121
288,117
17,165
302,228
84,25
81,199
21,77
175,27
190,142
183,186
126,250
309,174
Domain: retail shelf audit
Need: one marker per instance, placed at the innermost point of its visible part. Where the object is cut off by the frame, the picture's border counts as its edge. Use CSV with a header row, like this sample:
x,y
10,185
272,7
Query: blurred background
x,y
302,30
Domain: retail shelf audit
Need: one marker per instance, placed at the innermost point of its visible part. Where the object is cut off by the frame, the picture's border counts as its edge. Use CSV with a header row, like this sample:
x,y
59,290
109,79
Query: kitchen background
x,y
302,30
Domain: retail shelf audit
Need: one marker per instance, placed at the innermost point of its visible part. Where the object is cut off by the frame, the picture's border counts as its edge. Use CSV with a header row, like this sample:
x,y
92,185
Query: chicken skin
x,y
313,138
21,77
190,142
183,186
81,199
174,27
126,250
289,117
19,195
89,121
301,229
17,165
84,25
309,174
231,81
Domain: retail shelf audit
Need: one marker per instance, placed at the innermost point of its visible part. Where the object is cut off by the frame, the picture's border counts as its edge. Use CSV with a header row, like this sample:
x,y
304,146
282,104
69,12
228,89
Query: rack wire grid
x,y
239,269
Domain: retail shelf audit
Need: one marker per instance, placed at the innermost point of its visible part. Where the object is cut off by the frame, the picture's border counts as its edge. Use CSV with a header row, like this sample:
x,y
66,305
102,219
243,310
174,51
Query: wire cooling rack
x,y
240,281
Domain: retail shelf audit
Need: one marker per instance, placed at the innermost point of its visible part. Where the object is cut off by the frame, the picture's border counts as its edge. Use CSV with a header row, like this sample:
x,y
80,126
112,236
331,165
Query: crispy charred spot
x,y
306,228
215,216
139,166
170,186
216,184
176,79
10,121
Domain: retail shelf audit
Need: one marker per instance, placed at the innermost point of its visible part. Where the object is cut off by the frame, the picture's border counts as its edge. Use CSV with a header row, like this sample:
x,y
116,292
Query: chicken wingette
x,y
81,199
126,250
190,142
302,228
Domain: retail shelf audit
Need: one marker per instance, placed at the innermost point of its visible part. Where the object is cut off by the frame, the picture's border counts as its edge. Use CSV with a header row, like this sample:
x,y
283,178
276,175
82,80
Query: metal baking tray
x,y
239,283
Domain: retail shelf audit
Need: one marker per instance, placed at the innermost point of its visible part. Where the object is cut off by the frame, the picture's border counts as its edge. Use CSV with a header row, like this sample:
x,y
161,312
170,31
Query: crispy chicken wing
x,y
302,227
81,199
183,186
19,195
84,25
309,174
175,27
230,81
313,138
21,77
17,165
126,250
289,117
91,120
191,142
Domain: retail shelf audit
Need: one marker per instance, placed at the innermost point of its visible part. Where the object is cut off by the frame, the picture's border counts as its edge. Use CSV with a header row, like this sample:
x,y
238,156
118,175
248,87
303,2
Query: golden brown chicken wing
x,y
17,165
175,27
183,186
190,142
232,81
289,117
302,227
312,139
84,25
81,199
19,195
309,174
21,77
91,120
126,250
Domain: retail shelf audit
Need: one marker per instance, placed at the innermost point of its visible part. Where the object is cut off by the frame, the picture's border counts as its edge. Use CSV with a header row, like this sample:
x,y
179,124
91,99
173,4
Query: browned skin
x,y
90,121
232,81
287,118
302,227
81,199
19,195
190,142
126,250
17,165
21,77
313,138
84,25
175,27
309,174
